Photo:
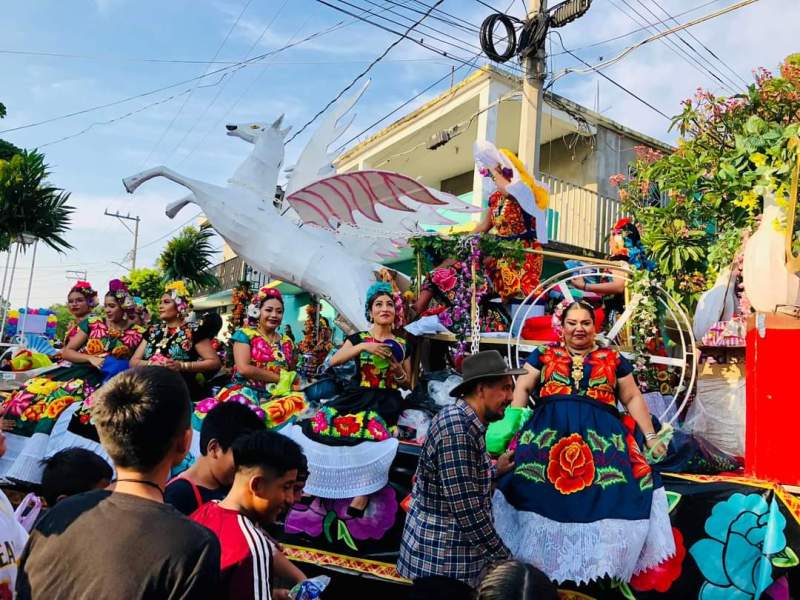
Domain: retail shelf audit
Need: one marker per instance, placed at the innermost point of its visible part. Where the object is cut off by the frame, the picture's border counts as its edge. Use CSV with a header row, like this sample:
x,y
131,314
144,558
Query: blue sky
x,y
185,130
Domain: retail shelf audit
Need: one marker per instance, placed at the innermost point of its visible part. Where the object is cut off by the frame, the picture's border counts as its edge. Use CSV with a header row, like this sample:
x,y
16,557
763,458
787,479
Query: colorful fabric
x,y
449,529
372,371
366,425
510,278
580,478
176,343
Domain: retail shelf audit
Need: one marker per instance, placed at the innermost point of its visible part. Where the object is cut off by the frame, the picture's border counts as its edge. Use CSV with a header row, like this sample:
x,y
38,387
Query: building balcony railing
x,y
230,272
578,216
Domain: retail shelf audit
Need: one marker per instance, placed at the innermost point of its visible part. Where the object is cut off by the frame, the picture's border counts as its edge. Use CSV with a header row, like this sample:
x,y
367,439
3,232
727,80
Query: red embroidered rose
x,y
444,279
346,426
377,430
638,461
571,465
661,577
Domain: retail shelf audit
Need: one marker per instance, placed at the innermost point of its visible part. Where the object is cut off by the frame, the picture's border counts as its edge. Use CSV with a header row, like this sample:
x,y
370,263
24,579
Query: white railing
x,y
578,216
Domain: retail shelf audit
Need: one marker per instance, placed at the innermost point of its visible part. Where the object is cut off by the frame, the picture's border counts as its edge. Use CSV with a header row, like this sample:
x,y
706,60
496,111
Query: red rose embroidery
x,y
661,577
638,461
346,426
571,465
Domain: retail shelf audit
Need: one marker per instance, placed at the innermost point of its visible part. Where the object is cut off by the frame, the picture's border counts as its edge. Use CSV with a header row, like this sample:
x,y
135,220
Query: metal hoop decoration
x,y
675,311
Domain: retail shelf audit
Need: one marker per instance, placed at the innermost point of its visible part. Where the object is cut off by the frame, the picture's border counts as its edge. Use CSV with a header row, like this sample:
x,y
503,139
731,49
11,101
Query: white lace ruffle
x,y
344,471
582,552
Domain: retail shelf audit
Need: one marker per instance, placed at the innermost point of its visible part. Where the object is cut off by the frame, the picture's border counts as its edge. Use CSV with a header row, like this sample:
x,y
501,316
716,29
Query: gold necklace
x,y
578,360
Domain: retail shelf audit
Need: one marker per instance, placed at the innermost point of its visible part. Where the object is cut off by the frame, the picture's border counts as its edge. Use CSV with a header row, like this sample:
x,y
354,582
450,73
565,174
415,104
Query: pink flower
x,y
261,351
319,423
98,330
18,402
205,405
377,430
616,180
444,279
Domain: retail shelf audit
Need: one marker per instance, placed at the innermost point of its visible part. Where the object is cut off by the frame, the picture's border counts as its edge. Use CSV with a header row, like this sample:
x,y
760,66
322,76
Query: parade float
x,y
723,243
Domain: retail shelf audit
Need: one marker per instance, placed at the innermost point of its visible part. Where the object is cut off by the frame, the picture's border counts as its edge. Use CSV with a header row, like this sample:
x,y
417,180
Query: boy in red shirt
x,y
263,487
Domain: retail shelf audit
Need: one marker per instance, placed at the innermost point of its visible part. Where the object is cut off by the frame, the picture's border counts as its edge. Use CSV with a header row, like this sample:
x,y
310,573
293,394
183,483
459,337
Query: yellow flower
x,y
758,159
179,287
749,201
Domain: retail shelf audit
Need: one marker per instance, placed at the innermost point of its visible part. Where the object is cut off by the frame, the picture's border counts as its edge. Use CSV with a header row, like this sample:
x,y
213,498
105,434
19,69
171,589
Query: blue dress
x,y
582,502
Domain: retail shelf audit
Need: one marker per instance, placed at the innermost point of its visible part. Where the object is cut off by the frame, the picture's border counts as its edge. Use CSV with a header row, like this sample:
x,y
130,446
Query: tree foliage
x,y
147,284
189,256
7,149
733,155
29,204
64,319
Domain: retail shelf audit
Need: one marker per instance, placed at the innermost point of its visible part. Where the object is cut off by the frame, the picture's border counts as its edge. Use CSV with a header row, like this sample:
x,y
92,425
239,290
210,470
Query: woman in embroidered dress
x,y
100,348
582,502
264,375
175,344
348,442
81,300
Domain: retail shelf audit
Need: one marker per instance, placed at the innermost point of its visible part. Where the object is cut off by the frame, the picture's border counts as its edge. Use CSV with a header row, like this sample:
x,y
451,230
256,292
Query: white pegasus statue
x,y
335,229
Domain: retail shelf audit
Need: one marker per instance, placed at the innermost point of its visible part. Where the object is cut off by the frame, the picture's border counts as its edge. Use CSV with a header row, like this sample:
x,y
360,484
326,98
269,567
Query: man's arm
x,y
461,479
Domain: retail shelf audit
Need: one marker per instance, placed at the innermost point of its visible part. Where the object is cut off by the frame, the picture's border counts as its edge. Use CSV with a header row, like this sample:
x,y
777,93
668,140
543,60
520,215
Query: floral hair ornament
x,y
118,290
379,288
180,296
532,196
85,289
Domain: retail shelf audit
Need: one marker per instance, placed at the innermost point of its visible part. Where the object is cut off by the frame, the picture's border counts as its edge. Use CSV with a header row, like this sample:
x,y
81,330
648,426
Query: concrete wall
x,y
571,159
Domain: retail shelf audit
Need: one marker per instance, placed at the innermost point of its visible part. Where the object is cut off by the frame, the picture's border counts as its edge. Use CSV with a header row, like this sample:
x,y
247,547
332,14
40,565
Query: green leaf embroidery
x,y
526,437
533,471
646,482
672,500
619,442
606,476
785,559
326,525
545,438
596,441
343,533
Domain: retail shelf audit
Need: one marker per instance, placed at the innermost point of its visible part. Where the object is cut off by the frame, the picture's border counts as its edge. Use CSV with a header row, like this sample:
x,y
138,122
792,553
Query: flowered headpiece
x,y
625,243
85,289
379,288
180,296
264,294
119,291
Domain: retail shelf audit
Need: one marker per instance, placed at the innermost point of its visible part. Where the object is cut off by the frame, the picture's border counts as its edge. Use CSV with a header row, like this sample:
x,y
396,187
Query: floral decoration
x,y
661,577
745,538
571,465
368,425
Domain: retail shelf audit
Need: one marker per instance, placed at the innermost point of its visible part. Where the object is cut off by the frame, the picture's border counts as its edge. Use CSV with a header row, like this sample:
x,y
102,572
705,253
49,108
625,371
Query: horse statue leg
x,y
134,181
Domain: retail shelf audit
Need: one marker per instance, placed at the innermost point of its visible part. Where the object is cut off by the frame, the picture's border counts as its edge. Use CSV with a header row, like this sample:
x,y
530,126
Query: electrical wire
x,y
629,49
222,70
364,72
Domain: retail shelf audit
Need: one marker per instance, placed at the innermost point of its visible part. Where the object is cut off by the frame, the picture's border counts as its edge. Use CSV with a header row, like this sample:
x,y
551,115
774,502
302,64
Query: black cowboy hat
x,y
483,365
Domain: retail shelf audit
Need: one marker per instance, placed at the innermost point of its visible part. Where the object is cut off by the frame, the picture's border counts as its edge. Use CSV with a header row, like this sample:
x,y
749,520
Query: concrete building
x,y
580,150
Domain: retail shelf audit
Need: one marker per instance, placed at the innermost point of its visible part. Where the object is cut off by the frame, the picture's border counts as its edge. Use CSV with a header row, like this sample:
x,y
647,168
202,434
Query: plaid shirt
x,y
449,529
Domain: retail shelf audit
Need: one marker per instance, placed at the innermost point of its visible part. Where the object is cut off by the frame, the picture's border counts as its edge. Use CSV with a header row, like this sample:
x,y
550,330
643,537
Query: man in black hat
x,y
449,537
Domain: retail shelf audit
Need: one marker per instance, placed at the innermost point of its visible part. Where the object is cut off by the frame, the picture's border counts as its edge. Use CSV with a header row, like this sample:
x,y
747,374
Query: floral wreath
x,y
379,288
633,251
119,291
264,294
180,296
85,289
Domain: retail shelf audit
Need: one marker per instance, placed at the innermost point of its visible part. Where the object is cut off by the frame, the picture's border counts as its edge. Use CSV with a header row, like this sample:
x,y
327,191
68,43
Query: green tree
x,y
7,149
64,319
148,284
188,256
29,204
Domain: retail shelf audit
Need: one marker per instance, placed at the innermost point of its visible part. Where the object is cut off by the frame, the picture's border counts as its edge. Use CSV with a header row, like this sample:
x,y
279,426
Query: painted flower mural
x,y
329,518
746,536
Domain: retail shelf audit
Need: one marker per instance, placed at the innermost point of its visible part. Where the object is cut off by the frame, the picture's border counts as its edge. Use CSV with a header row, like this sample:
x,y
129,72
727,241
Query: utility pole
x,y
535,71
134,231
530,49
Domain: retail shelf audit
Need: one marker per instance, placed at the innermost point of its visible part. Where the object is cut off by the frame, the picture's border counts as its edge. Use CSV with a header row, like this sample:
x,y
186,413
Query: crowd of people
x,y
134,455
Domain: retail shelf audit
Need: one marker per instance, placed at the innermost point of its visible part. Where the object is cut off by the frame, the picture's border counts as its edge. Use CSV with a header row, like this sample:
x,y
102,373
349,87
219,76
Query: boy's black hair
x,y
139,413
227,421
267,450
72,471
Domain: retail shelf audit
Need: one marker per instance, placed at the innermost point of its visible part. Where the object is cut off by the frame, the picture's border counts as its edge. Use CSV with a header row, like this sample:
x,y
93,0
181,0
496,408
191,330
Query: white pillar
x,y
482,187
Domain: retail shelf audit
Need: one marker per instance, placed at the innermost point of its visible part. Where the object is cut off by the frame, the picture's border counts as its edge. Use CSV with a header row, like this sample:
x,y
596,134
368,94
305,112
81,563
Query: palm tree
x,y
188,256
30,205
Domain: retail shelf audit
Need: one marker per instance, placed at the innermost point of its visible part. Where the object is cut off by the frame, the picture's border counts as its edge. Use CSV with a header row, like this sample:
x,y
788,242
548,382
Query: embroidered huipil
x,y
449,529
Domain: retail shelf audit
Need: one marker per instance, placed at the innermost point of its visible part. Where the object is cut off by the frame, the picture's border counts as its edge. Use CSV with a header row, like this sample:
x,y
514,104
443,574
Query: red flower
x,y
638,461
346,426
571,466
661,577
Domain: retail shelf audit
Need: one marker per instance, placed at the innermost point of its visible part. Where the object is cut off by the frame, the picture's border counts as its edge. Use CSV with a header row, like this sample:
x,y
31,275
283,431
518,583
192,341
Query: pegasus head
x,y
267,139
